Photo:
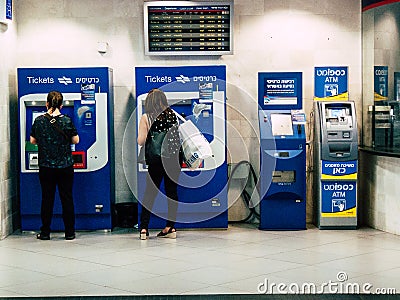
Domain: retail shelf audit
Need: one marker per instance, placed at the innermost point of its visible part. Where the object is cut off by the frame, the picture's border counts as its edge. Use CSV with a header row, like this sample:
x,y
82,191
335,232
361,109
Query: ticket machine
x,y
198,93
88,101
335,165
282,152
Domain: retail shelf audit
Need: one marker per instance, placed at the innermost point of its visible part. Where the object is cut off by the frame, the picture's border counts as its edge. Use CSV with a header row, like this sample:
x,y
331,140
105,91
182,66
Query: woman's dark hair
x,y
54,100
156,102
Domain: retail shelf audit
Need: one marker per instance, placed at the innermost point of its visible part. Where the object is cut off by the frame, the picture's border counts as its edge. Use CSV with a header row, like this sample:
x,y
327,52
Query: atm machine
x,y
88,100
282,152
198,93
335,165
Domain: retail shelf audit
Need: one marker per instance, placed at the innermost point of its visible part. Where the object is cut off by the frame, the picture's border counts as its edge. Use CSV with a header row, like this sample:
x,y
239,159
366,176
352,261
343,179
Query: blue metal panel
x,y
91,187
283,202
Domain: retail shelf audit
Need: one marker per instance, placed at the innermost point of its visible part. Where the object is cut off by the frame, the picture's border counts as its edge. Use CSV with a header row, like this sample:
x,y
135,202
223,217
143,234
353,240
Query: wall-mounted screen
x,y
188,28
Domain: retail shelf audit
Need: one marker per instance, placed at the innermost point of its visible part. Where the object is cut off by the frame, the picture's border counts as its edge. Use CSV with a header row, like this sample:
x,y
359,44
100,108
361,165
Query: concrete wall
x,y
379,197
8,130
270,35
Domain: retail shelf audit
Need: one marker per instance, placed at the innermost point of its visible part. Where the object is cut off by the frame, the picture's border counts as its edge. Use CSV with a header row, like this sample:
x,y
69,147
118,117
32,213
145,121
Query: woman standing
x,y
159,117
54,133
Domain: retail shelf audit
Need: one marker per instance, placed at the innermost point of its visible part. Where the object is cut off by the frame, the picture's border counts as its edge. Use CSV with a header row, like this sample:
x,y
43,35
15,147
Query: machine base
x,y
338,227
82,222
282,214
214,222
282,229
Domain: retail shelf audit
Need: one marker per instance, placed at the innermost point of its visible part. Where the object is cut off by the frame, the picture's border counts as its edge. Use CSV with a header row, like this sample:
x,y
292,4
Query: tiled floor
x,y
240,260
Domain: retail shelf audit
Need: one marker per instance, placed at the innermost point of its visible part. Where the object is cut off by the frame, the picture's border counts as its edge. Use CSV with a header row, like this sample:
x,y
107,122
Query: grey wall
x,y
8,130
379,175
270,35
381,47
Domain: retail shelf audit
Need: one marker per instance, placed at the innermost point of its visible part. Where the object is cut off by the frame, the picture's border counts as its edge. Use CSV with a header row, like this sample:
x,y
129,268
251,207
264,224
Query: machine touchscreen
x,y
336,112
281,124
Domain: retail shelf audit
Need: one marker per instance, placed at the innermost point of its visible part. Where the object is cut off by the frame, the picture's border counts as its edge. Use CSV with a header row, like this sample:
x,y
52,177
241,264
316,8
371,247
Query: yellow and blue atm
x,y
335,165
88,101
282,179
197,93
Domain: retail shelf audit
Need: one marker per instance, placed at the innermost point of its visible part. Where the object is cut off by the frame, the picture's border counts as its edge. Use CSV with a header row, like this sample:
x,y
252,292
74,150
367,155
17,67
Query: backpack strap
x,y
179,117
53,122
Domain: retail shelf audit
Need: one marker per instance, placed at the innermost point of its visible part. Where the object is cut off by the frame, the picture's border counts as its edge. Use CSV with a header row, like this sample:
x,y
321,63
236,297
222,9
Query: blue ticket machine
x,y
88,100
198,93
282,152
335,165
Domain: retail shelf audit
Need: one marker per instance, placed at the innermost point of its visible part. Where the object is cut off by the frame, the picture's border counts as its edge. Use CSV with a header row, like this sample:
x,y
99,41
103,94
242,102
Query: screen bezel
x,y
335,112
185,3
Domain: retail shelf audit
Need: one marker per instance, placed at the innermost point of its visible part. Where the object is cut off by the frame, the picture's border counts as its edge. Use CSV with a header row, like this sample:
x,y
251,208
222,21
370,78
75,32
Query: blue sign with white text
x,y
186,78
381,82
280,90
67,80
9,9
335,168
331,83
339,197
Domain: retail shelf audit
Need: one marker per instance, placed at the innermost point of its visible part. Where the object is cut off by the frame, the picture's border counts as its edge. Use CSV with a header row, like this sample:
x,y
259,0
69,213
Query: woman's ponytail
x,y
54,100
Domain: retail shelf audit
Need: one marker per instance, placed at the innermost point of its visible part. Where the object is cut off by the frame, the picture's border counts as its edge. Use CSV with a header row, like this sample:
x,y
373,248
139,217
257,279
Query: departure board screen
x,y
188,28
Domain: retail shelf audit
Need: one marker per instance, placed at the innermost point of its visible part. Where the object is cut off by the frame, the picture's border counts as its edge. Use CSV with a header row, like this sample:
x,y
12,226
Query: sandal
x,y
43,236
144,235
171,233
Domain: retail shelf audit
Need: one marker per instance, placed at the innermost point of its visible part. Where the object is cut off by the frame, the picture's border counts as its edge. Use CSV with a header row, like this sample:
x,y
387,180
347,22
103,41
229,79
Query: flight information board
x,y
185,27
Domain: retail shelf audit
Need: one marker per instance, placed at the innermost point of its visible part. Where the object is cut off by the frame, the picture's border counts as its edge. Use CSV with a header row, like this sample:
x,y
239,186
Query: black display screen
x,y
181,27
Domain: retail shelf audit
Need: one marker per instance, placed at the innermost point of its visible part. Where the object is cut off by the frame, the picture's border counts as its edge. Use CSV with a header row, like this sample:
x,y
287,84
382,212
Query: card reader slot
x,y
283,176
339,149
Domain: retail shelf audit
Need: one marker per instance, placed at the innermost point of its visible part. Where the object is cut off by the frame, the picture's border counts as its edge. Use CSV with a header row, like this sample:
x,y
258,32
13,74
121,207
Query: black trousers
x,y
50,179
169,171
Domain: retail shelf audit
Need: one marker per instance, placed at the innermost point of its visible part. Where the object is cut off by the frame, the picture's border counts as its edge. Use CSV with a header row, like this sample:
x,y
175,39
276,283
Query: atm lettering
x,y
83,80
205,78
339,195
331,73
381,72
347,165
331,79
40,80
287,81
339,171
331,165
274,86
155,79
288,86
338,187
273,81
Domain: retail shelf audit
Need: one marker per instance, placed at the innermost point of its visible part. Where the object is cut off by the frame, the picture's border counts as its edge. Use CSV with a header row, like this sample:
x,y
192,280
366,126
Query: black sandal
x,y
144,235
171,233
43,237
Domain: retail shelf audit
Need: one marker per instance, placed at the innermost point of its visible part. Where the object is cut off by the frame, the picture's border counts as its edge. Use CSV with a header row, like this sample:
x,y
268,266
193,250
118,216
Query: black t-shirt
x,y
54,148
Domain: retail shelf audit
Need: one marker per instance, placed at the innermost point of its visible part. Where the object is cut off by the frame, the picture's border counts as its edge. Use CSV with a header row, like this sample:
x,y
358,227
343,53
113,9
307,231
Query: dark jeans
x,y
63,178
156,172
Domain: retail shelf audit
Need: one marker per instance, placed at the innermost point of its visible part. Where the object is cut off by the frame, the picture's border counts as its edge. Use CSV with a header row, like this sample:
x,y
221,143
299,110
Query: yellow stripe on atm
x,y
342,177
352,212
340,97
